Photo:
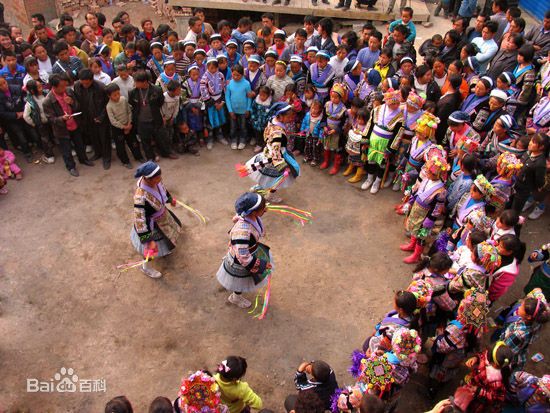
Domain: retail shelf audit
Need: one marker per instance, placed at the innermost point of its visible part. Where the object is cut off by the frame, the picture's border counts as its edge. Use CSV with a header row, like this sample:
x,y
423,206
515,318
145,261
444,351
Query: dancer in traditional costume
x,y
156,229
428,203
248,263
357,139
274,168
383,127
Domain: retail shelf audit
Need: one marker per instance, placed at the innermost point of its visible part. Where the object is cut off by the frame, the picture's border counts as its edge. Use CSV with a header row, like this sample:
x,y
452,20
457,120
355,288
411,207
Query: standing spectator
x,y
43,39
12,107
499,9
449,103
195,28
120,118
38,19
36,118
324,40
93,22
91,42
124,81
45,62
171,107
146,100
92,100
206,27
487,46
12,72
66,63
406,20
506,58
539,37
238,105
369,55
59,106
147,30
268,22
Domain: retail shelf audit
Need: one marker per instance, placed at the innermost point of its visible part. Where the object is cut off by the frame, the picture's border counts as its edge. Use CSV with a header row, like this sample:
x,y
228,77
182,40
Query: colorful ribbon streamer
x,y
194,211
267,295
130,265
303,217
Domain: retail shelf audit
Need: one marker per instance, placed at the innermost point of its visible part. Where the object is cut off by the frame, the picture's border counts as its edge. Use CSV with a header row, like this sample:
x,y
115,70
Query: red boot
x,y
409,246
337,163
326,159
415,256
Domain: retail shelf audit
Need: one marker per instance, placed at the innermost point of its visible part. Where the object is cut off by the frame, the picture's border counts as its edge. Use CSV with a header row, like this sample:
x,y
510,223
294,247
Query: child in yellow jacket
x,y
236,394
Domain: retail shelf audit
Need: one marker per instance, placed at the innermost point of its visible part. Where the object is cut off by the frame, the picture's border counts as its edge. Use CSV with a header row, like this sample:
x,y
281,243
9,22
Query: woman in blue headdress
x,y
156,229
248,263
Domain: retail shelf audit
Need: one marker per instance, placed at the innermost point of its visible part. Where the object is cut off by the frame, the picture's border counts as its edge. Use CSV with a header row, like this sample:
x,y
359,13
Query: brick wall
x,y
15,12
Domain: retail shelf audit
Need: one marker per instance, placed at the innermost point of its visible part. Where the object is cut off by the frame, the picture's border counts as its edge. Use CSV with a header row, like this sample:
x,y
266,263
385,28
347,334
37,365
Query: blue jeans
x,y
238,128
467,8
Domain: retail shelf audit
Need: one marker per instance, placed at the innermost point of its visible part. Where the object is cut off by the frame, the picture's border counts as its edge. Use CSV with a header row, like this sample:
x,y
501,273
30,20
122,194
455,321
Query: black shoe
x,y
73,172
372,8
276,2
193,151
106,165
287,2
339,6
314,2
96,157
325,1
87,163
345,8
127,165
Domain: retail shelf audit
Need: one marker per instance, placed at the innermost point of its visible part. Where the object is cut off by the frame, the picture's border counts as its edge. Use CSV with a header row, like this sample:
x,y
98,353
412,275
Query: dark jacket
x,y
10,105
54,113
532,174
450,55
504,61
155,99
409,48
433,92
445,106
329,45
92,102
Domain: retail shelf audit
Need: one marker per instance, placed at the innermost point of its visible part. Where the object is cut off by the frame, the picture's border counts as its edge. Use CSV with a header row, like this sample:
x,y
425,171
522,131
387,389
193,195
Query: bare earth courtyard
x,y
63,303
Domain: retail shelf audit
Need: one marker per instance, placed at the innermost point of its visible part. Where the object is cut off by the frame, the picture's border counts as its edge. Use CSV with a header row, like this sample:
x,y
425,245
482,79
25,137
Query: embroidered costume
x,y
212,88
245,266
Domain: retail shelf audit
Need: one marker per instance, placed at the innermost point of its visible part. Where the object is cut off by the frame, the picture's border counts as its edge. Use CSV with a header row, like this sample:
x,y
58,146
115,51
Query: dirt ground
x,y
64,304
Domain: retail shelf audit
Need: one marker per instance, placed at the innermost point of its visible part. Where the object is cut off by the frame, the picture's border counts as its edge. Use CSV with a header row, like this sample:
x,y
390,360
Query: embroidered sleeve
x,y
141,224
240,243
205,92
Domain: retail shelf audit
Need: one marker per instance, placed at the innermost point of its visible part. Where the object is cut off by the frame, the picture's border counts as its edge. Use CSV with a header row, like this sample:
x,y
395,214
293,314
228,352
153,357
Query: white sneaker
x,y
209,146
239,300
73,153
113,146
366,185
389,178
396,186
241,146
47,159
376,186
233,145
150,271
89,149
252,142
530,202
223,141
537,212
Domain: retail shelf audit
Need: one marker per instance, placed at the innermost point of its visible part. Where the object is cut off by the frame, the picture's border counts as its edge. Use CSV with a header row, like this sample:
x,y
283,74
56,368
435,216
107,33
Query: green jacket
x,y
236,395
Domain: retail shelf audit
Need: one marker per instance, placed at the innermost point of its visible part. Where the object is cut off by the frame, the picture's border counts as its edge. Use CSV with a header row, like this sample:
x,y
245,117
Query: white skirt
x,y
267,176
241,284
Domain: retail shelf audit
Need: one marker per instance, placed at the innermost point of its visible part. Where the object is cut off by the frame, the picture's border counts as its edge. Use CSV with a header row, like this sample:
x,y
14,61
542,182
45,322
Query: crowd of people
x,y
463,135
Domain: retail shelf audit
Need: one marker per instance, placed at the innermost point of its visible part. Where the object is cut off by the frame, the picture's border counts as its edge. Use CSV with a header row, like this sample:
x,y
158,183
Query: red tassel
x,y
242,170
